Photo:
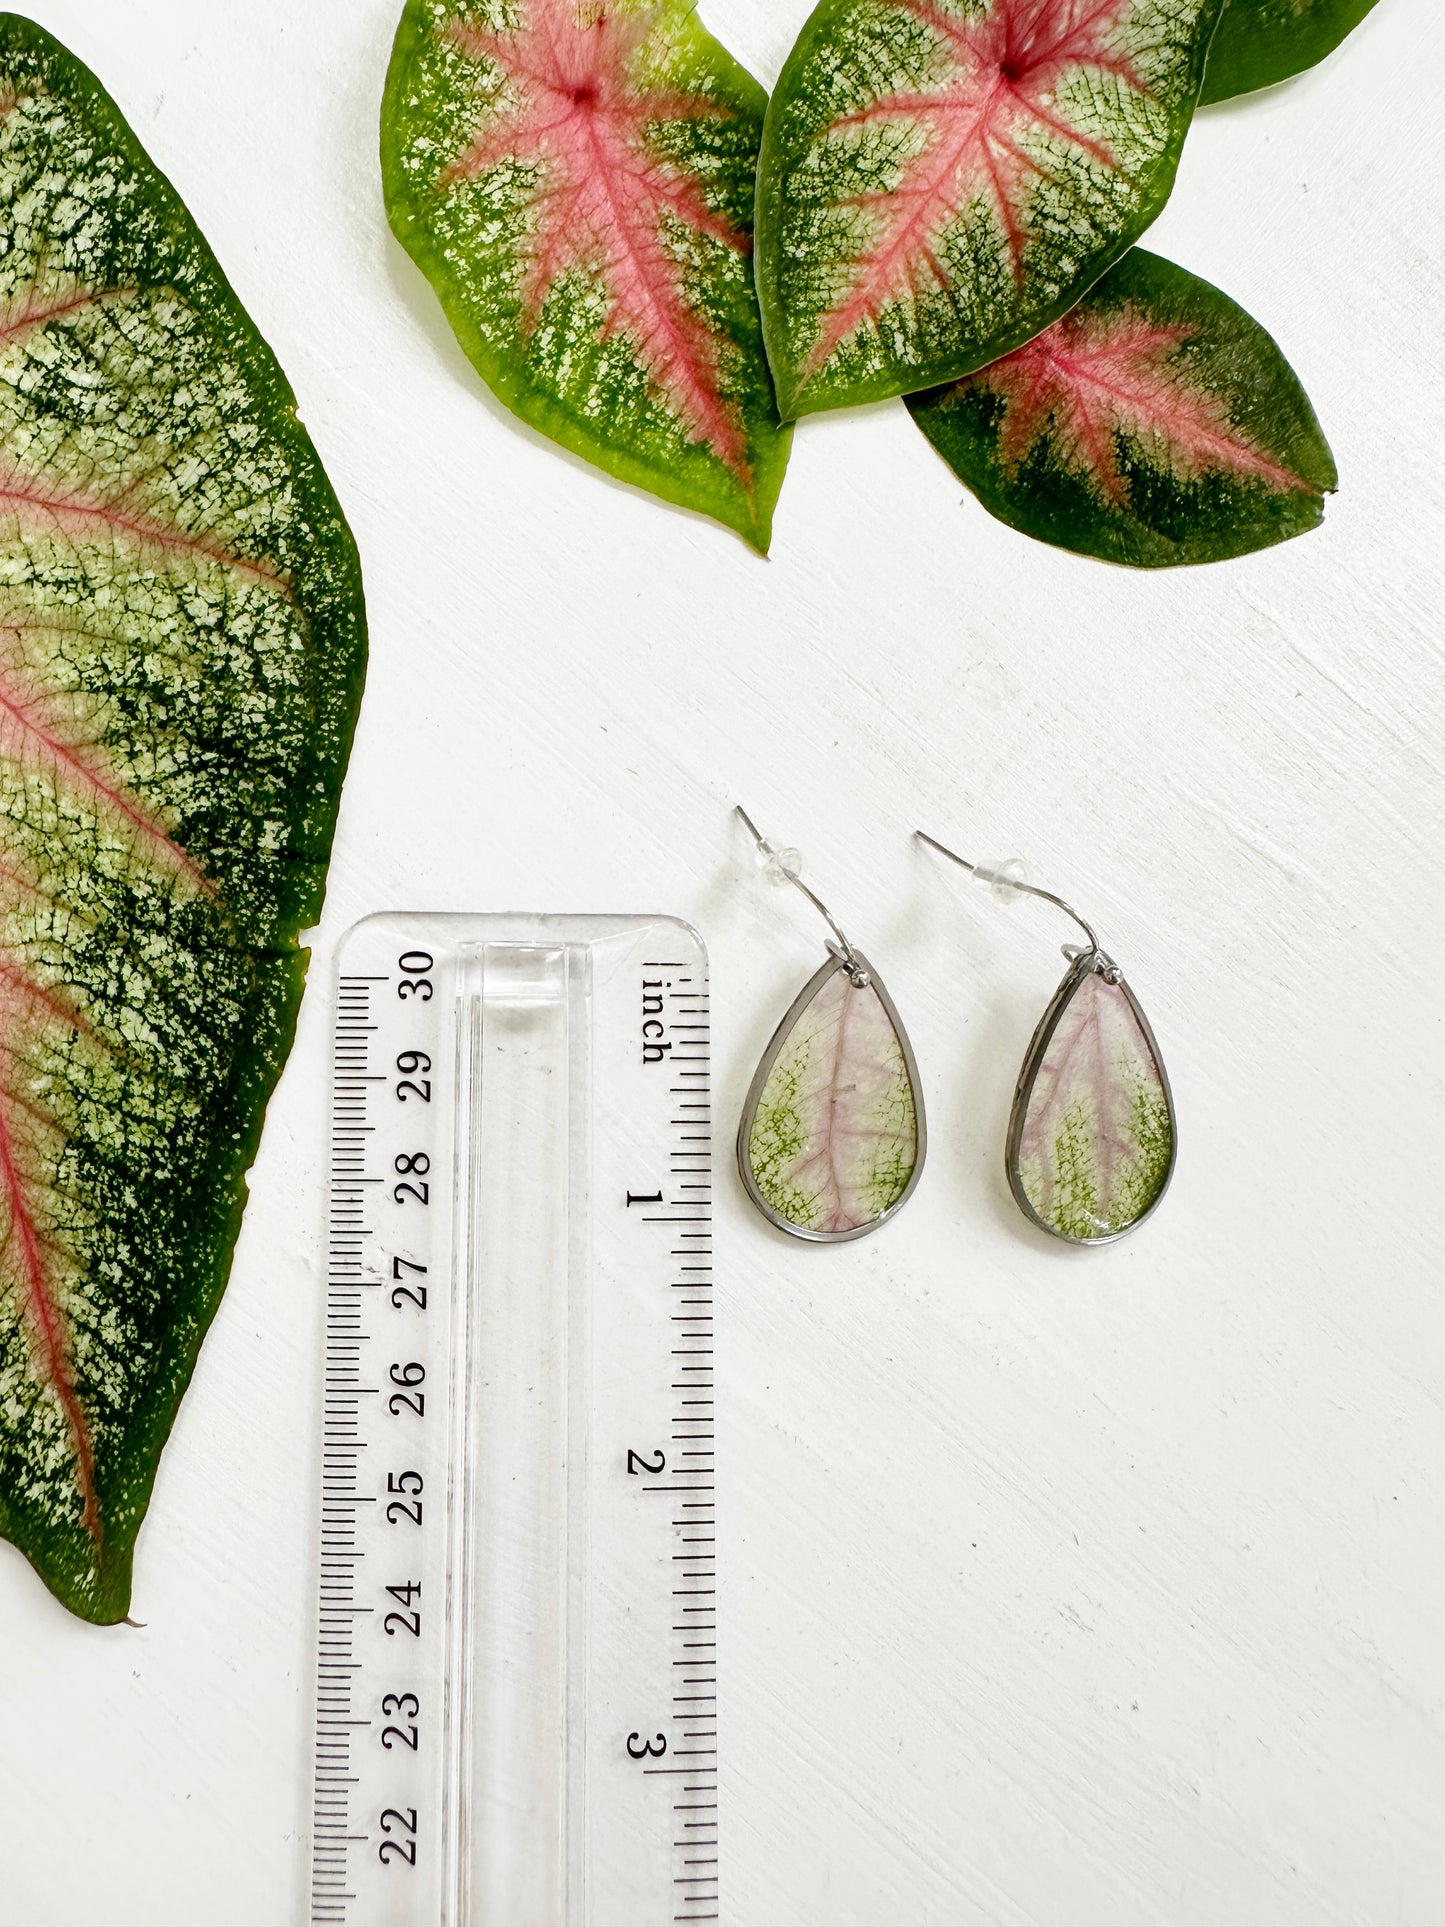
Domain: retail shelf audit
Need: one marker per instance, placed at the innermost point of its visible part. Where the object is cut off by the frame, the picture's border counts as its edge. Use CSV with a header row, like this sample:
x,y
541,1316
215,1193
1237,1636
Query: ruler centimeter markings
x,y
337,1717
518,1517
339,1497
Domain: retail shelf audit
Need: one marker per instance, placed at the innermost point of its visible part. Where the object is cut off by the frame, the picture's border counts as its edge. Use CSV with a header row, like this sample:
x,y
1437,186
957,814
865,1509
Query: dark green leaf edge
x,y
1259,43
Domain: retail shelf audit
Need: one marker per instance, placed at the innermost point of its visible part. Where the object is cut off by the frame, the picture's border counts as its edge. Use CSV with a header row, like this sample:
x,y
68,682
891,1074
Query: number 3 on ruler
x,y
640,1749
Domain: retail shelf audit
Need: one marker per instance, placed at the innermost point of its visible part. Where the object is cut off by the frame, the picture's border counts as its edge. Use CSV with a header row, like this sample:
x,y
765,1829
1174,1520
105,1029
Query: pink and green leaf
x,y
831,1142
576,180
182,642
1092,1138
1156,423
1260,42
940,179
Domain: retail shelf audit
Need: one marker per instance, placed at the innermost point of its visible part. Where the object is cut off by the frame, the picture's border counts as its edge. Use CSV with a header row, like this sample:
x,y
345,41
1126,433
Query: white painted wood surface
x,y
1075,1590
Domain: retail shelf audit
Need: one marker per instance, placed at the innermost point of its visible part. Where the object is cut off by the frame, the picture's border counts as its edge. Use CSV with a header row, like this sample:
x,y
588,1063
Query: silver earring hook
x,y
852,963
1096,950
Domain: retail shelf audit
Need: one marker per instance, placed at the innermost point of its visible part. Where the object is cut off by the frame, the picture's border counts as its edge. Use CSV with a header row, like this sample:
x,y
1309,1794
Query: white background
x,y
1085,1590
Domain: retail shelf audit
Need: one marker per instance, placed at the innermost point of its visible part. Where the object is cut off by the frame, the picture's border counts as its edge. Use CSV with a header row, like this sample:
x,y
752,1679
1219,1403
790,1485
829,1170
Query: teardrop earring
x,y
832,1136
1091,1137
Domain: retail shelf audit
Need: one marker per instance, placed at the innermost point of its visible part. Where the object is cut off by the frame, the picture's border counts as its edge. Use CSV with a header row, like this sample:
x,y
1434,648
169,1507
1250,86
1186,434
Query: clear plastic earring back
x,y
1007,879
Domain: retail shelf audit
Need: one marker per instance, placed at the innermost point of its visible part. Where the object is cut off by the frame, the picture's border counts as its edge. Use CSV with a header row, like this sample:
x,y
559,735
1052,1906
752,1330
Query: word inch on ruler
x,y
516,1718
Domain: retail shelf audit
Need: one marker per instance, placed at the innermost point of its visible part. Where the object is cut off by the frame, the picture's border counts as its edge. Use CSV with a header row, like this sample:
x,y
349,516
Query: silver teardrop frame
x,y
1086,965
836,961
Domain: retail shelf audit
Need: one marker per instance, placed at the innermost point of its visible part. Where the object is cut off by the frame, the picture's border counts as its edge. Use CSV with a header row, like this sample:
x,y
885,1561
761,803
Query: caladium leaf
x,y
1259,42
1155,423
575,178
940,179
832,1139
181,650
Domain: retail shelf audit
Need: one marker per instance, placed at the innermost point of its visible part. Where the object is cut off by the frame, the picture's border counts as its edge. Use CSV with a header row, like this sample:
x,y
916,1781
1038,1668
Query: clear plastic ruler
x,y
516,1645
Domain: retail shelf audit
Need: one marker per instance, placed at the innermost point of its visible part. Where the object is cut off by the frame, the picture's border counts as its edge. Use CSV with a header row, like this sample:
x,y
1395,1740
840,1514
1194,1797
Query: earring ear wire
x,y
1007,878
780,865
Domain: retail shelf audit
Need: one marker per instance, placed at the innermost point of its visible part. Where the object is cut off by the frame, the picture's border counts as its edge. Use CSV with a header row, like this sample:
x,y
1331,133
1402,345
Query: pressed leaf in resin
x,y
940,179
181,650
1259,42
1156,423
831,1140
1091,1140
576,178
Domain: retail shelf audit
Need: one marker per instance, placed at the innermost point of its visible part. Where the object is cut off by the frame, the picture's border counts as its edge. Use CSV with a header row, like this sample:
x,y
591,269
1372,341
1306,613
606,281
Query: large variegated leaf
x,y
575,178
1262,41
940,179
831,1140
1155,424
181,649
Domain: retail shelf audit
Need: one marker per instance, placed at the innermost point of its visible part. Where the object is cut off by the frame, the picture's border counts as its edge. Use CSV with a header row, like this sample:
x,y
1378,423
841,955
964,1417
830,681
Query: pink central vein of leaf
x,y
34,731
1005,69
24,728
572,108
834,1124
28,1256
1090,378
1081,1060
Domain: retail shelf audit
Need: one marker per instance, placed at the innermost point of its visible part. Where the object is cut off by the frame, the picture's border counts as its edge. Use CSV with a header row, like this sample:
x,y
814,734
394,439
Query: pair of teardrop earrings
x,y
832,1138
